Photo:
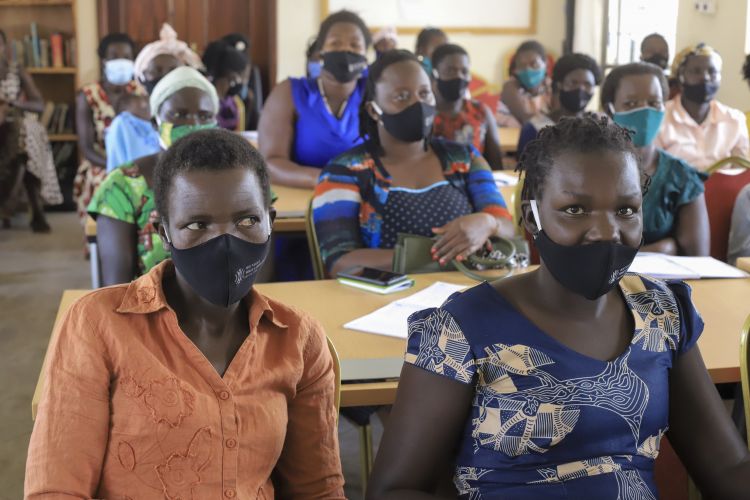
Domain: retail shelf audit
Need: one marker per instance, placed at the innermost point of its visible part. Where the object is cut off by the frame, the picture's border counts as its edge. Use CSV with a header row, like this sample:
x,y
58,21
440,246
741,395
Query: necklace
x,y
325,101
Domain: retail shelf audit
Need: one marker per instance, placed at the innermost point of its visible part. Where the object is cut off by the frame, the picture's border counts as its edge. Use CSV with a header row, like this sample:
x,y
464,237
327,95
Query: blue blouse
x,y
318,135
547,421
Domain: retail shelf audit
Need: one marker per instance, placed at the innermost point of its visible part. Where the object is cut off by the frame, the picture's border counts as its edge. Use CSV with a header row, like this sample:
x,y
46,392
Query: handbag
x,y
412,255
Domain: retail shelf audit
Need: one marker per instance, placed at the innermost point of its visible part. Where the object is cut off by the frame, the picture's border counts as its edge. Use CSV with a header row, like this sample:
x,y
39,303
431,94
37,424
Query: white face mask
x,y
119,71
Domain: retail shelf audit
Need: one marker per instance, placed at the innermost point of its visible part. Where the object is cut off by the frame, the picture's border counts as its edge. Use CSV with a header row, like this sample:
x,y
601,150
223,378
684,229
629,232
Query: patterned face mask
x,y
169,133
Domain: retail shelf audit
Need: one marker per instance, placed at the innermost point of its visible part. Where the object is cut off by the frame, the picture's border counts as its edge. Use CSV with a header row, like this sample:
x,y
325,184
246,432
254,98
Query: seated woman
x,y
561,382
95,112
675,219
401,181
308,121
192,383
251,92
123,206
574,79
459,119
37,171
158,58
697,128
225,67
427,41
526,92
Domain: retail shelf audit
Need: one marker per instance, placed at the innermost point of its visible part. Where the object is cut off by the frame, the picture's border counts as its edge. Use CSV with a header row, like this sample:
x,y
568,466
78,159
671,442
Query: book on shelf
x,y
46,117
57,118
35,51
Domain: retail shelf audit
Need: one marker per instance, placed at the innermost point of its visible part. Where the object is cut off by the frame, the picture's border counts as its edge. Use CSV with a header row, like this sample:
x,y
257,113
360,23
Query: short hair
x,y
343,16
746,69
112,38
572,62
368,128
443,51
207,150
584,134
238,41
652,36
312,47
220,58
612,82
528,46
424,37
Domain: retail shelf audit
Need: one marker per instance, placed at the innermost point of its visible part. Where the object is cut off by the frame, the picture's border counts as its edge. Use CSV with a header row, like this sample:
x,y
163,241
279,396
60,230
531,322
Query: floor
x,y
34,270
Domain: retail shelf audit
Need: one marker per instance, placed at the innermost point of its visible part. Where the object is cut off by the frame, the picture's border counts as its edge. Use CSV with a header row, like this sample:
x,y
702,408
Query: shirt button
x,y
231,443
224,395
229,493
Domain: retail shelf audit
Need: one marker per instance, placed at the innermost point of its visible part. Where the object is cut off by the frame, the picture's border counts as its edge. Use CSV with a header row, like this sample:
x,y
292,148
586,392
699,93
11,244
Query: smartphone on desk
x,y
372,276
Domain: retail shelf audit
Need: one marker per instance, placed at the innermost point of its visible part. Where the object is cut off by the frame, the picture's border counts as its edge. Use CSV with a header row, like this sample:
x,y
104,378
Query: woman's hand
x,y
463,236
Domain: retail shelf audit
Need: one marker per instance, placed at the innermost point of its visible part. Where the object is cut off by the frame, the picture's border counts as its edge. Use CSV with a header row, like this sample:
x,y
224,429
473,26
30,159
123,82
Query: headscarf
x,y
385,33
167,44
700,49
178,79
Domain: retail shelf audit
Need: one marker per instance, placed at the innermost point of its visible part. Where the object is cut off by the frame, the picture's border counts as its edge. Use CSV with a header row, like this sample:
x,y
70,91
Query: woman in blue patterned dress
x,y
560,383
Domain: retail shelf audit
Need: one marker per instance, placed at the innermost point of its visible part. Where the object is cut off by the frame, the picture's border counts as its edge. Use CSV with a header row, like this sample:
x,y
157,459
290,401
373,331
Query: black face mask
x,y
344,66
574,100
452,90
223,269
412,124
700,92
659,60
235,89
149,85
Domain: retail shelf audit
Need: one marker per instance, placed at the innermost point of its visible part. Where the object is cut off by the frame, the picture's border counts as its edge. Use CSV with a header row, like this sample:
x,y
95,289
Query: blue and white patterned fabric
x,y
547,421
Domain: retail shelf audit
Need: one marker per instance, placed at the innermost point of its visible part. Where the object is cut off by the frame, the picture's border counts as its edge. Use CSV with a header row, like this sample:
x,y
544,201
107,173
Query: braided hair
x,y
368,128
584,134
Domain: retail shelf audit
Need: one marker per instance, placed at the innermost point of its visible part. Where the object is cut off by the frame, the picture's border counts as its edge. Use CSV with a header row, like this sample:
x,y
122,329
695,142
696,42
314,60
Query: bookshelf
x,y
41,37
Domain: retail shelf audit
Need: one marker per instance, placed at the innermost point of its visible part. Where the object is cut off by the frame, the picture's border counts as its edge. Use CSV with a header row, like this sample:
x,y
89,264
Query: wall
x,y
87,40
298,21
725,31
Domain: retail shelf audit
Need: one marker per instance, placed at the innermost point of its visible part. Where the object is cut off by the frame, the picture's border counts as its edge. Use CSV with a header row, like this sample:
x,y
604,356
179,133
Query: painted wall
x,y
299,21
727,32
87,40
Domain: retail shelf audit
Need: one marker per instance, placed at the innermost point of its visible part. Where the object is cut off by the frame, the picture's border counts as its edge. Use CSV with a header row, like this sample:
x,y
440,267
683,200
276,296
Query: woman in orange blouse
x,y
188,383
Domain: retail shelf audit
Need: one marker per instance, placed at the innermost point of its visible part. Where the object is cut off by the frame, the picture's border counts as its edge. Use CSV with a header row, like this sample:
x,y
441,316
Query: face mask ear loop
x,y
535,213
166,234
376,108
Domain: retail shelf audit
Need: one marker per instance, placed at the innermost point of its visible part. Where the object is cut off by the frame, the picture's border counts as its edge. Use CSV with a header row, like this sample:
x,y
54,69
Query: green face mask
x,y
169,133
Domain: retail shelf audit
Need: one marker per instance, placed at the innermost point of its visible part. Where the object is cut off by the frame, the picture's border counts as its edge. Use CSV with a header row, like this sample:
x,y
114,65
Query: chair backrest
x,y
336,374
744,375
319,270
721,192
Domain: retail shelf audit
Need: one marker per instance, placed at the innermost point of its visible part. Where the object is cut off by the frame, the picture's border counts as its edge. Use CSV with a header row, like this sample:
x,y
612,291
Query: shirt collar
x,y
146,295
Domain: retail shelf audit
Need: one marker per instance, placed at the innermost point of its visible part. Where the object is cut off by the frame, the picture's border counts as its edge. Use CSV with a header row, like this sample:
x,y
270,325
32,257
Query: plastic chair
x,y
319,270
745,372
336,375
721,192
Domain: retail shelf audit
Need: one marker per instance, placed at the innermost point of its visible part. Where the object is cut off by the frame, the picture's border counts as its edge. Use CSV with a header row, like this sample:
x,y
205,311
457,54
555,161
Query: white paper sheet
x,y
671,267
390,320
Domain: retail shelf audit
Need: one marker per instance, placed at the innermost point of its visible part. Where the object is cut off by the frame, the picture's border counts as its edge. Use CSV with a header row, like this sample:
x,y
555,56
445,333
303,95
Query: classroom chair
x,y
319,270
95,266
336,375
745,373
364,428
721,192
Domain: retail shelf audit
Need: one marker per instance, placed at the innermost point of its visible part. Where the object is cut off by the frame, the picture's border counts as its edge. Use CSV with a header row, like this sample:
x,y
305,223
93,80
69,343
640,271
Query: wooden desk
x,y
509,138
291,208
744,263
722,303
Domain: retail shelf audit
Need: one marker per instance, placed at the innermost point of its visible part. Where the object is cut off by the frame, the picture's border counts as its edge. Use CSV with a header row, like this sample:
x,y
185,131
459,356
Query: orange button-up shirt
x,y
723,133
132,409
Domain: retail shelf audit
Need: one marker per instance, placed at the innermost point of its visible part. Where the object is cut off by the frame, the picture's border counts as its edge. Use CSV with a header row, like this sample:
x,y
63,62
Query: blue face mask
x,y
119,71
645,122
531,77
313,68
426,64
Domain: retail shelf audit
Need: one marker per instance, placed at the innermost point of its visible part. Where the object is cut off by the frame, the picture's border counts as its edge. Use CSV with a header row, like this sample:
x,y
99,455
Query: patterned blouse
x,y
125,196
352,194
469,126
547,421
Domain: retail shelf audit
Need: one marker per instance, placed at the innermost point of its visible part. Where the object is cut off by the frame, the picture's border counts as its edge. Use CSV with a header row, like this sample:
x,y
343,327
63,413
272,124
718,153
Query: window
x,y
629,21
